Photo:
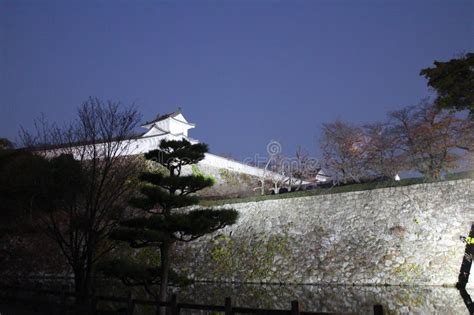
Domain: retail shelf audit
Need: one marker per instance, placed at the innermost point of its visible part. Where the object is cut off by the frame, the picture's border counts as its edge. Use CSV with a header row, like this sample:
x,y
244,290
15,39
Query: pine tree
x,y
161,224
453,81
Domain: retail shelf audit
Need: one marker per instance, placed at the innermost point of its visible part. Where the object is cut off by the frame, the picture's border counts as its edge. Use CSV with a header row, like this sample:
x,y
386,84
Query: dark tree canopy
x,y
174,154
23,178
31,185
453,80
161,224
5,144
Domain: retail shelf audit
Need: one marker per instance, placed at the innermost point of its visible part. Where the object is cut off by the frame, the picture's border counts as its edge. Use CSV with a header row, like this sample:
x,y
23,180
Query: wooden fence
x,y
173,307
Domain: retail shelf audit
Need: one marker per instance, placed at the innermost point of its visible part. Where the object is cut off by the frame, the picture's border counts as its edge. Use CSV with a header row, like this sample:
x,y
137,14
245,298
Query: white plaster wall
x,y
220,162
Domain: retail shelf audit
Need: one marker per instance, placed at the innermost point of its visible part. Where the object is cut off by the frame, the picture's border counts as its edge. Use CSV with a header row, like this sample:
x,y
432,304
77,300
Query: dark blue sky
x,y
245,72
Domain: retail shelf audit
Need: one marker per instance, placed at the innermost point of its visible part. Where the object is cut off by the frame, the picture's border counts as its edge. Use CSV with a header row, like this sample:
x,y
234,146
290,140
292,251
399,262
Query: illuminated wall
x,y
402,235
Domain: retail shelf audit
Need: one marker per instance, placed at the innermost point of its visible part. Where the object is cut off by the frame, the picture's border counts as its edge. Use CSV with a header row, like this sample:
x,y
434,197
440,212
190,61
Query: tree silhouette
x,y
161,224
453,80
88,184
429,137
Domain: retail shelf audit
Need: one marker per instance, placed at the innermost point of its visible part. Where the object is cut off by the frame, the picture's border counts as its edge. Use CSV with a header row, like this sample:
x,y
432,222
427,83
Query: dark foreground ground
x,y
312,298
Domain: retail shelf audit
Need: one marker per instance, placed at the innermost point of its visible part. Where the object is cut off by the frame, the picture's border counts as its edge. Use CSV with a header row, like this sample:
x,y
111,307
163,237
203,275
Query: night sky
x,y
245,72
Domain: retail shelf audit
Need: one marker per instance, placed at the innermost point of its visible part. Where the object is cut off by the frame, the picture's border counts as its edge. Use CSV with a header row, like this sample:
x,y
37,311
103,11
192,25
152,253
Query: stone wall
x,y
395,236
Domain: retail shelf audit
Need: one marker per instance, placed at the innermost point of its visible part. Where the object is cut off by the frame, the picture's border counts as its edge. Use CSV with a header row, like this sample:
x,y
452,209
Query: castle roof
x,y
174,114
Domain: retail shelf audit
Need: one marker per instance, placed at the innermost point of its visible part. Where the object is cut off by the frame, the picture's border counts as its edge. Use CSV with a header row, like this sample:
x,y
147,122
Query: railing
x,y
173,307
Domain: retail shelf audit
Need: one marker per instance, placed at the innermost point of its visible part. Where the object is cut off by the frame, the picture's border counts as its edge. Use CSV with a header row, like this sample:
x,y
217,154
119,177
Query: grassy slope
x,y
334,190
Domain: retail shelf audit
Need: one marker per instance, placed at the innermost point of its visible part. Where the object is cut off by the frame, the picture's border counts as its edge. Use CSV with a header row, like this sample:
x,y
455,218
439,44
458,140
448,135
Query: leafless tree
x,y
280,172
383,150
429,137
264,175
342,145
303,168
80,224
466,135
